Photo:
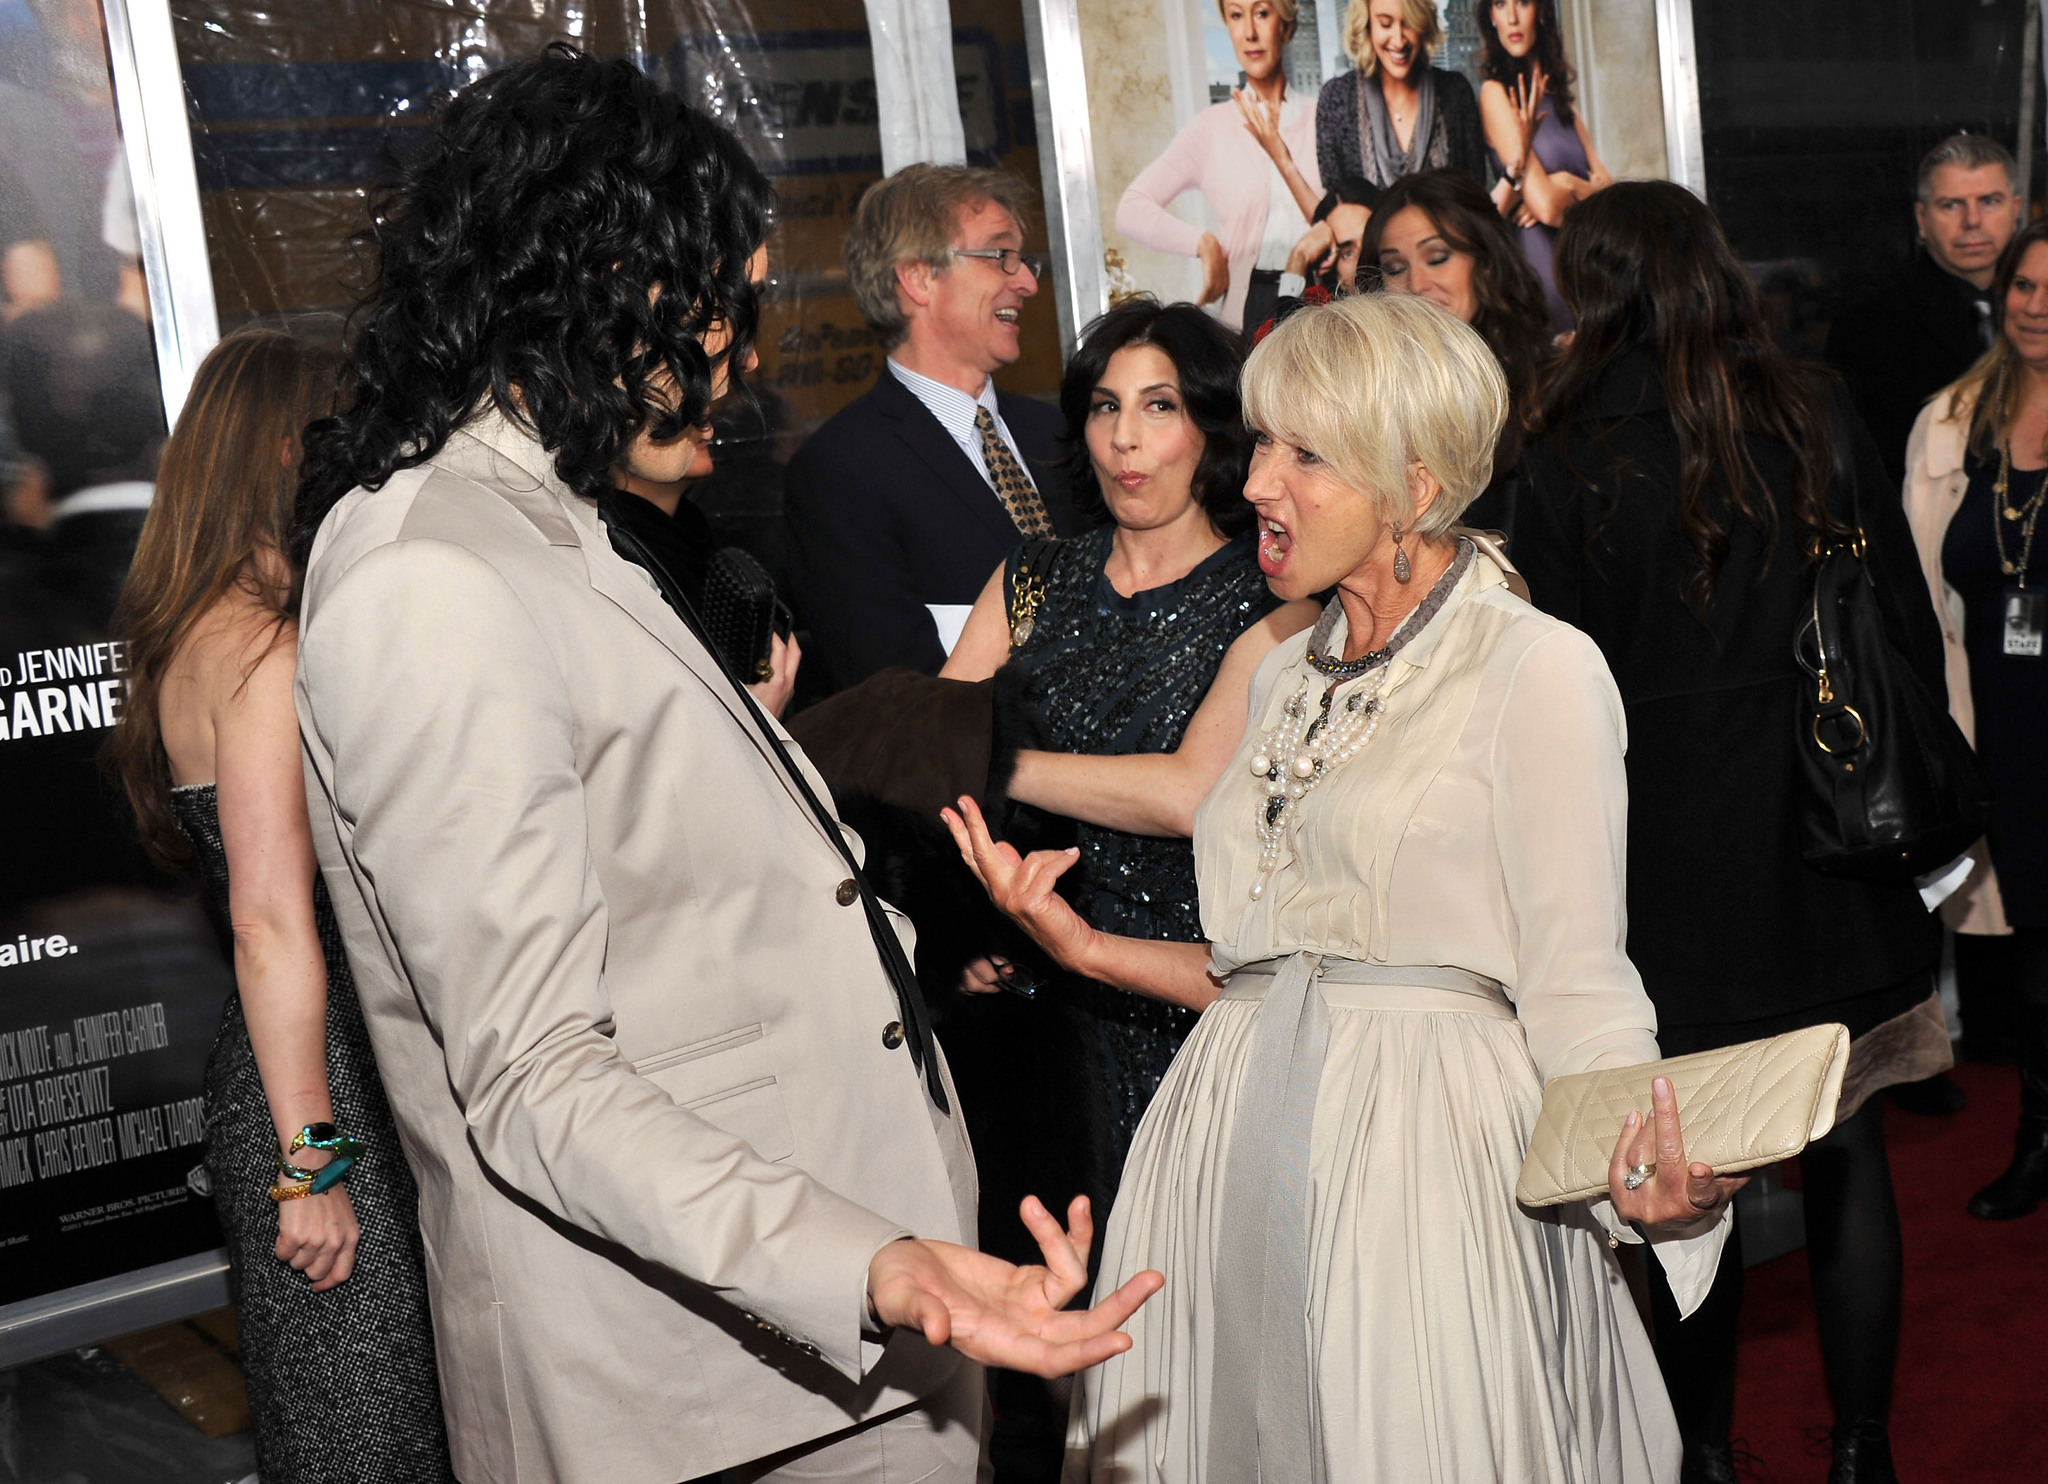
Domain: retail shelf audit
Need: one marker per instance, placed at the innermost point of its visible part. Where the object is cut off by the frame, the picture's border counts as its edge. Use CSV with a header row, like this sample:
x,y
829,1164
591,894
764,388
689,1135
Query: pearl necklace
x,y
1312,745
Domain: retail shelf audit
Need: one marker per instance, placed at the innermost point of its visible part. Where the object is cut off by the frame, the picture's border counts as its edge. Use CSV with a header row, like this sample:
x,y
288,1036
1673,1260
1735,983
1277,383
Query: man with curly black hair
x,y
691,1172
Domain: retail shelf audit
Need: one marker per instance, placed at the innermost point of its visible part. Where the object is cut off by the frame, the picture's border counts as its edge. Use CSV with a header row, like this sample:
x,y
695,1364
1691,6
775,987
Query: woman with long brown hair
x,y
328,1277
1684,472
1976,480
1435,234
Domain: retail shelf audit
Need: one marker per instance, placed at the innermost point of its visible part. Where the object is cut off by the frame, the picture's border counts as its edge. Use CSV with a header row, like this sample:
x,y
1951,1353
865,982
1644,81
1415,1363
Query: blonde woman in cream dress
x,y
1411,930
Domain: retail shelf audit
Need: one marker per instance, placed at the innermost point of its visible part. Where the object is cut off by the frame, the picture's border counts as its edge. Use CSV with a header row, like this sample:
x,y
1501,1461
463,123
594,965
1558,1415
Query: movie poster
x,y
1210,163
108,1002
111,979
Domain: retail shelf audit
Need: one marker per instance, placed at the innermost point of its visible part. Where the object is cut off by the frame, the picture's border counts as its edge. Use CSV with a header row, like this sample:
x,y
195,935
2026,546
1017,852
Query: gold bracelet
x,y
282,1193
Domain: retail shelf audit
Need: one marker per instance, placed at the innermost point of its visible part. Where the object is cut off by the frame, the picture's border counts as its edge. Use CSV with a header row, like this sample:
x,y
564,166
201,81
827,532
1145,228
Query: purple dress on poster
x,y
1557,148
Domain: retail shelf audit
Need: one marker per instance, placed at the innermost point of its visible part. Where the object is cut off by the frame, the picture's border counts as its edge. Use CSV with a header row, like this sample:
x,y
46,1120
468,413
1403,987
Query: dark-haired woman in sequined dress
x,y
1132,627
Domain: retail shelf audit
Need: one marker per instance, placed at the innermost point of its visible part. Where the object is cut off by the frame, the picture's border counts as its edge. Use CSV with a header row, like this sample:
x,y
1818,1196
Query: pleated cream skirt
x,y
1452,1337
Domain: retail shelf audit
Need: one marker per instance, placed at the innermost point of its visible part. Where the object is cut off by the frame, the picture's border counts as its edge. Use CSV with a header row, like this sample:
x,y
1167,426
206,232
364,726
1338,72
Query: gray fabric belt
x,y
1260,1418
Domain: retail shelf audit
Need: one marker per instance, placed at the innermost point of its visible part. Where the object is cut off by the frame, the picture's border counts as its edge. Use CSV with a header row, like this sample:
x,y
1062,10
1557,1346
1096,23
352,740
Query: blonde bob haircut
x,y
1419,14
1285,9
1375,383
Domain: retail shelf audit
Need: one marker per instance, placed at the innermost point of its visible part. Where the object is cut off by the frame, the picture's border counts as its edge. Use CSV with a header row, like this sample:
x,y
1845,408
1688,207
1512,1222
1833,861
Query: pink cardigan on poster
x,y
1216,155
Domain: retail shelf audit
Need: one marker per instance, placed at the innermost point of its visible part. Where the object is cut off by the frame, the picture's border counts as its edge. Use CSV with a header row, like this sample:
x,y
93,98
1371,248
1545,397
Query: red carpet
x,y
1972,1397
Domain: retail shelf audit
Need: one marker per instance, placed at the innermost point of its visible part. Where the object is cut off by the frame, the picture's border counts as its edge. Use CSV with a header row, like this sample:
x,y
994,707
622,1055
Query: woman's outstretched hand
x,y
1678,1199
1022,887
1003,1315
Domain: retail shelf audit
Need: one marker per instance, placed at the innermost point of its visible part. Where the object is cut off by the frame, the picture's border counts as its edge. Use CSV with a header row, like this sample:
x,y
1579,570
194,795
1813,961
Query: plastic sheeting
x,y
295,110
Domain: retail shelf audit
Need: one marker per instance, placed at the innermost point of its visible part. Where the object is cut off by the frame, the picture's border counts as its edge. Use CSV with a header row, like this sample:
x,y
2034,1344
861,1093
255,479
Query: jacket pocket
x,y
710,1046
727,1081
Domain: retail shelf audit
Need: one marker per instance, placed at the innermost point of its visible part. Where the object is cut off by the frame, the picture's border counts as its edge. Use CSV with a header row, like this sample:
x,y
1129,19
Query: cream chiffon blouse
x,y
1484,827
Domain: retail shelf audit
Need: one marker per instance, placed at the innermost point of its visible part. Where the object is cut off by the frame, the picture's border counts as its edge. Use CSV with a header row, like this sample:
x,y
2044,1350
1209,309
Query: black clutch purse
x,y
742,614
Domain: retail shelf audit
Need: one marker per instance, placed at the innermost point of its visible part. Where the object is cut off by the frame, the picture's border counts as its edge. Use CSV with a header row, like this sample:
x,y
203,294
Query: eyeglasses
x,y
1009,257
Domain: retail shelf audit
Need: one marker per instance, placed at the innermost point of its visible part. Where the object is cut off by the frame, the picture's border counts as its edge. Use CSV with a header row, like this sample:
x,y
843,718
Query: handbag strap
x,y
1024,586
1845,460
895,962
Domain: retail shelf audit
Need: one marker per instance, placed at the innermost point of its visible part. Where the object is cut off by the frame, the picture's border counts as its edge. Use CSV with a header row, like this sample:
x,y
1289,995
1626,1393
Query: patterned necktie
x,y
1013,486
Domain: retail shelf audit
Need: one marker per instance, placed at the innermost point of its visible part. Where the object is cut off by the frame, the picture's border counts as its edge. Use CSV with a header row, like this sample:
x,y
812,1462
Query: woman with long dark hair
x,y
1129,640
1539,141
1437,235
1976,480
326,1269
1684,478
1132,630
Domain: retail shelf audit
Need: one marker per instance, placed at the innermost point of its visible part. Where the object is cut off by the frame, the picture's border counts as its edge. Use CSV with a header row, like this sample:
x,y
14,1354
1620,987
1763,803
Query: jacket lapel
x,y
934,447
566,520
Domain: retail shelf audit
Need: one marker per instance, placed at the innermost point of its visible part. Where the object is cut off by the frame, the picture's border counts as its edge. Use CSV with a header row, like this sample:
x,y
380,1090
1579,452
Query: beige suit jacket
x,y
1936,482
631,1028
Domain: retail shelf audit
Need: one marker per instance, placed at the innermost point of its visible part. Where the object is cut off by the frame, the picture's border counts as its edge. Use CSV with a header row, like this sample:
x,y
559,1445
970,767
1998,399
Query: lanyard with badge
x,y
2025,608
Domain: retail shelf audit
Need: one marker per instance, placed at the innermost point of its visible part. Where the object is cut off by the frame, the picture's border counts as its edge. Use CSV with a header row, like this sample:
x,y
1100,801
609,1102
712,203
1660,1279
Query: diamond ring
x,y
1637,1174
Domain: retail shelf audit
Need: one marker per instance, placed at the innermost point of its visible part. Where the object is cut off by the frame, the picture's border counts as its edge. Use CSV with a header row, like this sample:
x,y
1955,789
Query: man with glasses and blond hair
x,y
902,503
1926,327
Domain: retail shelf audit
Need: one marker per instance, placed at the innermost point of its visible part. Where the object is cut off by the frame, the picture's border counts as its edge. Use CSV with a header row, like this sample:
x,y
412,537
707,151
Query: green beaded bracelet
x,y
344,1147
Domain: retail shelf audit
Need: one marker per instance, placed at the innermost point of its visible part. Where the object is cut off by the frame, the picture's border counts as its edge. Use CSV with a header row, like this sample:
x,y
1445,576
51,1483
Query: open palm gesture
x,y
1004,1315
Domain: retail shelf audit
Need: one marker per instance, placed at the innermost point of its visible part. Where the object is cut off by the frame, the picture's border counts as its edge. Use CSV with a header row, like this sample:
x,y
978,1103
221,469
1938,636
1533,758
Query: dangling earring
x,y
1402,571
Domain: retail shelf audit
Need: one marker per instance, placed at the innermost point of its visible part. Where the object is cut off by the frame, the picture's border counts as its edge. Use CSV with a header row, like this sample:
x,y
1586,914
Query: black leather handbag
x,y
1895,789
742,614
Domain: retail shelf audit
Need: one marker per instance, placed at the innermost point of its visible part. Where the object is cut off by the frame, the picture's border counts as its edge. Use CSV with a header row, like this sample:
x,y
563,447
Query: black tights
x,y
1852,1252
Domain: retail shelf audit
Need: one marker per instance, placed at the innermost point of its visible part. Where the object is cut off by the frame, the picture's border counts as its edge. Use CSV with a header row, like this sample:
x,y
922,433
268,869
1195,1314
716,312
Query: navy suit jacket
x,y
887,514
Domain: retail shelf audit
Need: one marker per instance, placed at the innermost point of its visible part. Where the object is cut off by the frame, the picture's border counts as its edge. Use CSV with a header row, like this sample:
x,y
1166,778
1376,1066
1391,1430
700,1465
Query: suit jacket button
x,y
892,1034
847,894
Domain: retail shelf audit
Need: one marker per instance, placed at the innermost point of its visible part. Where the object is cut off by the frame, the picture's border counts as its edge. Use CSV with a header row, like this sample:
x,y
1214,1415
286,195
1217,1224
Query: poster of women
x,y
1240,144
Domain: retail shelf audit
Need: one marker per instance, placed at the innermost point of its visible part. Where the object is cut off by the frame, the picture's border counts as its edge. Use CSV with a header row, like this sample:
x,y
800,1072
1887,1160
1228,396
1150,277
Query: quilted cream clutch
x,y
1738,1107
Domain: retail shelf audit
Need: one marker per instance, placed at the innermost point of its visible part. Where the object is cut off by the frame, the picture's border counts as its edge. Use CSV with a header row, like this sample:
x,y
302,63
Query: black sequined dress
x,y
343,1385
1107,675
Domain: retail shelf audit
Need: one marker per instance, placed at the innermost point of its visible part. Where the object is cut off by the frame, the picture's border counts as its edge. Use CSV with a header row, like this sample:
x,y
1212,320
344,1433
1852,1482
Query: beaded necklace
x,y
2026,515
1296,755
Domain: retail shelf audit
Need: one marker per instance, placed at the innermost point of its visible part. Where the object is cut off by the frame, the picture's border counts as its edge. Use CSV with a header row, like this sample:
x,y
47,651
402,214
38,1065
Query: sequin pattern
x,y
342,1384
1112,675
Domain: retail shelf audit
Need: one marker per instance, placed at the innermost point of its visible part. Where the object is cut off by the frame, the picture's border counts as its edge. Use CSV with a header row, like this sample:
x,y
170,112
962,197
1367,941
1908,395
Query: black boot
x,y
1863,1455
1930,1097
2025,1182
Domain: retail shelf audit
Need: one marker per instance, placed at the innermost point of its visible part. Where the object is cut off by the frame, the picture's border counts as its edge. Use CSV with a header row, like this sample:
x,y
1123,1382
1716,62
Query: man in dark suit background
x,y
912,494
1917,334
